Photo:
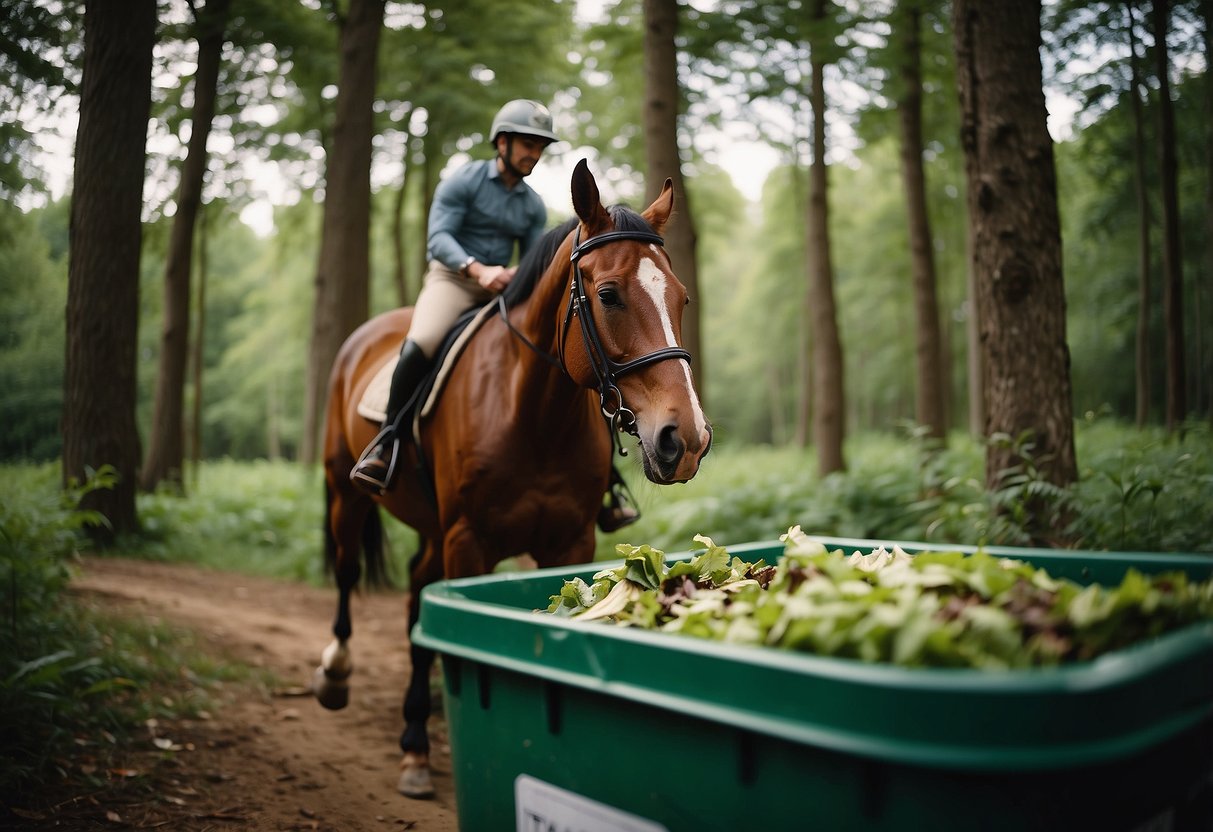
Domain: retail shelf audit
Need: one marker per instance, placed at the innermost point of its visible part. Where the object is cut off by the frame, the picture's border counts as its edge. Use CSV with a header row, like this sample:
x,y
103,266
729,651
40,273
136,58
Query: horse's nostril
x,y
670,446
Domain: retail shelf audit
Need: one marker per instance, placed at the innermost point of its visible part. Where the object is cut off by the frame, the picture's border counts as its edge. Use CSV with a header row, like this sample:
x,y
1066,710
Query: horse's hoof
x,y
415,779
333,694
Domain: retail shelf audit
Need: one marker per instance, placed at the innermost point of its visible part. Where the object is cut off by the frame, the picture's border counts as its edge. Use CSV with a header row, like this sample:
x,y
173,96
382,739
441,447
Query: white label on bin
x,y
542,807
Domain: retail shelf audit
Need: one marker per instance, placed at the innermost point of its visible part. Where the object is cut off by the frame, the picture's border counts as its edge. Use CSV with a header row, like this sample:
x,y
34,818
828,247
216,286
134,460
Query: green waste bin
x,y
560,724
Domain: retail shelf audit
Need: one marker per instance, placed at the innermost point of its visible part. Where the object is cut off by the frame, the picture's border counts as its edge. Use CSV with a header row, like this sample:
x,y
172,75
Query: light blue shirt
x,y
475,215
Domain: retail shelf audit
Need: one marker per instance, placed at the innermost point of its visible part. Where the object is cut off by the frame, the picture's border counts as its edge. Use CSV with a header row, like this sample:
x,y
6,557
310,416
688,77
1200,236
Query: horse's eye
x,y
609,296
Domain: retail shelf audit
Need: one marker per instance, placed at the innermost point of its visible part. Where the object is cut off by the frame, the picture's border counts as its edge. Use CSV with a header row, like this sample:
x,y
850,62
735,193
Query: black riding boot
x,y
616,511
375,470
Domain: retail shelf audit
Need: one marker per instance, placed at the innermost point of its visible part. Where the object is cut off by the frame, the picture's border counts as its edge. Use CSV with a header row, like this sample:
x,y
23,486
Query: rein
x,y
606,370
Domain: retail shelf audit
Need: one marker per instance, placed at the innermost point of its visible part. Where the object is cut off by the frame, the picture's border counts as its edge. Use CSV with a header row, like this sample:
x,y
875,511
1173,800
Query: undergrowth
x,y
1138,490
76,683
261,517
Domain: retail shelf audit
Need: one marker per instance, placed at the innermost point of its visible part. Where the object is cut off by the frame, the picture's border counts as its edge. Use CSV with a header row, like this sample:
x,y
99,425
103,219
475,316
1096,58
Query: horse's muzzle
x,y
673,456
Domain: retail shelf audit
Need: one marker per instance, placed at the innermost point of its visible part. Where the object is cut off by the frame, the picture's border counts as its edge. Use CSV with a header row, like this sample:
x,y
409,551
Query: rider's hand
x,y
493,278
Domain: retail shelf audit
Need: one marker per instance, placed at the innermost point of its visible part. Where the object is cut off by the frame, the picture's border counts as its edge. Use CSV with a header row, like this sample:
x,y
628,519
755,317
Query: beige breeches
x,y
445,295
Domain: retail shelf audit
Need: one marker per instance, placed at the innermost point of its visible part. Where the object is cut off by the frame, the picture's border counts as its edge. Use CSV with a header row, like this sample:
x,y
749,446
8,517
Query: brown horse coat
x,y
517,447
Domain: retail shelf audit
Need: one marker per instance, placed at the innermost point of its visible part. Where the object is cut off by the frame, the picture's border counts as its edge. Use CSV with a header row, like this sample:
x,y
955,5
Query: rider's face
x,y
524,152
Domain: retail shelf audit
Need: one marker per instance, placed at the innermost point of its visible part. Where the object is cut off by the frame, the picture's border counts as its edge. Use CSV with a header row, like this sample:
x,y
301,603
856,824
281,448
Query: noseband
x,y
607,370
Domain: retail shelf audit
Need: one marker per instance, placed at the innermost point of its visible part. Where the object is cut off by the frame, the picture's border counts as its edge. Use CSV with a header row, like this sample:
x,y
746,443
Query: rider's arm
x,y
451,201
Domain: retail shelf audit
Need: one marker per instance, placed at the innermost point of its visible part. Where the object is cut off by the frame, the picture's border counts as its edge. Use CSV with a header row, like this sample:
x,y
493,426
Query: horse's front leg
x,y
415,779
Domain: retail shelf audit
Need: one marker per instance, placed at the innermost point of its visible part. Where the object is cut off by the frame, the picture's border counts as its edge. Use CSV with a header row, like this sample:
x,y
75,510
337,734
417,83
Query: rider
x,y
479,212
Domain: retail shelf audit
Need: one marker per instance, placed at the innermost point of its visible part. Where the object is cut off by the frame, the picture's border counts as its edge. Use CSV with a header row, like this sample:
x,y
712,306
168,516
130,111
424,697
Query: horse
x,y
516,452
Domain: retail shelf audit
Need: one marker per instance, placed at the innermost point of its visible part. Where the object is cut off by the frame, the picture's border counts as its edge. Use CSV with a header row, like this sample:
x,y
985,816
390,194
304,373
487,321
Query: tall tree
x,y
1144,304
399,266
1206,11
1016,236
166,444
828,387
975,372
1172,255
930,392
197,350
343,266
662,158
103,268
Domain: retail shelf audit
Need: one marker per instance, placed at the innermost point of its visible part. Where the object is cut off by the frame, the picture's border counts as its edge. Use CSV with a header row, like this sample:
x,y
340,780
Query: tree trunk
x,y
974,371
1206,10
662,160
166,447
776,390
929,408
103,267
273,430
803,437
1144,306
399,269
829,402
342,299
1016,234
1172,255
430,166
400,278
198,350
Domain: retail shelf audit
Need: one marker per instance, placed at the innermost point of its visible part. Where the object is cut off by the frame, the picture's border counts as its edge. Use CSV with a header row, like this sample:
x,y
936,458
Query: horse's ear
x,y
658,214
587,202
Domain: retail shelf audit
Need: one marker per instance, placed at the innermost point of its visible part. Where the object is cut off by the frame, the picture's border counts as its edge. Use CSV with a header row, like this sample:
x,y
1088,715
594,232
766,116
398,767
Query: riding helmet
x,y
524,116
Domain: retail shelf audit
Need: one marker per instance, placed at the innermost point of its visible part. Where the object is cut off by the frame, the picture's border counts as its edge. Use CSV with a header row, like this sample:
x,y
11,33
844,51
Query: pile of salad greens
x,y
933,609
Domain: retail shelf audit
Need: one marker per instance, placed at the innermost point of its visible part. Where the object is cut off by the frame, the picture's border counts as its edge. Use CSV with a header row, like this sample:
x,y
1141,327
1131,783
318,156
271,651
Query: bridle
x,y
619,418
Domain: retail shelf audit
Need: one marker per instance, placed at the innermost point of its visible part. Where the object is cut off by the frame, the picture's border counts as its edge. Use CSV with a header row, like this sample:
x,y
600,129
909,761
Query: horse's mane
x,y
543,252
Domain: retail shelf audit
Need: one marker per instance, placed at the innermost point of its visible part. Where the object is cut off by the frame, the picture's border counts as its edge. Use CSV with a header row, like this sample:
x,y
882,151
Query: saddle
x,y
373,404
616,513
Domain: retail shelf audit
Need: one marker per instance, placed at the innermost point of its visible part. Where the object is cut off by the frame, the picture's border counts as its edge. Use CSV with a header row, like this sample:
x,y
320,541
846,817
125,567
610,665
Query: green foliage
x,y
611,57
753,394
460,64
256,352
40,46
935,609
262,517
33,295
1098,204
71,678
40,528
88,683
1136,492
1144,491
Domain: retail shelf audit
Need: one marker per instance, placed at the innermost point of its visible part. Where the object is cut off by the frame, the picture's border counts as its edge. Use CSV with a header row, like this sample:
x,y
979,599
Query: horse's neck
x,y
541,379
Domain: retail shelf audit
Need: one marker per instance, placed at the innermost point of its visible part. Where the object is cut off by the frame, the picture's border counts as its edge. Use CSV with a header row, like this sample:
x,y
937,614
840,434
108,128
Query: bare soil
x,y
264,759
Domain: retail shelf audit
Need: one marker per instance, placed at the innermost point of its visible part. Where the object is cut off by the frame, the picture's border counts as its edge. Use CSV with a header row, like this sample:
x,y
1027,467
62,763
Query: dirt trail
x,y
282,762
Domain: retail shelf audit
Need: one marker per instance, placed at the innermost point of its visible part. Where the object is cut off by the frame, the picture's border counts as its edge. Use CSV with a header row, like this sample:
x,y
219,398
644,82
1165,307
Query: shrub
x,y
73,680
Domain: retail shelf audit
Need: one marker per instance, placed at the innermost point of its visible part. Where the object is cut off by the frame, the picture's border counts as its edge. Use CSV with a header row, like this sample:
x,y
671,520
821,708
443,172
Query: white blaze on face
x,y
653,280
